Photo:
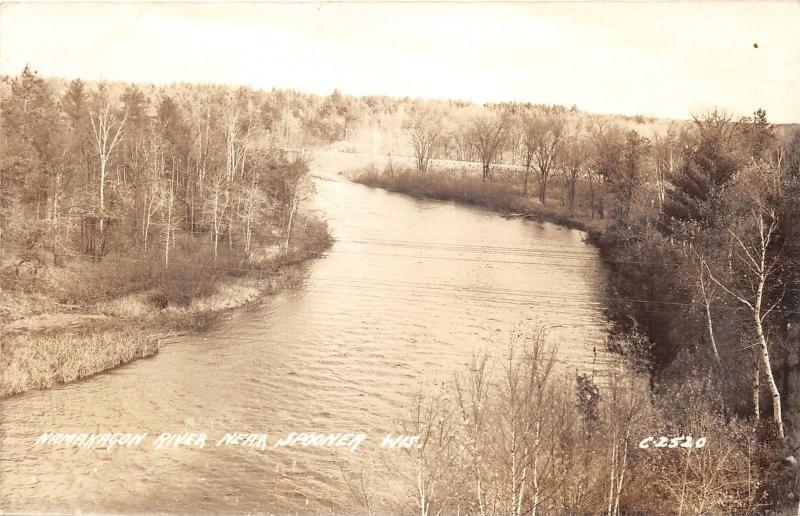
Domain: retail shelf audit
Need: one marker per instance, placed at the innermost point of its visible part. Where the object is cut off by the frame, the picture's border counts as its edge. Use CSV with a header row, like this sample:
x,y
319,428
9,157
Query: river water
x,y
408,293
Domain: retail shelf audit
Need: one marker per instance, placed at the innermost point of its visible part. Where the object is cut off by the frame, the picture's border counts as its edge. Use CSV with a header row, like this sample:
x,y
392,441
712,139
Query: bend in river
x,y
410,290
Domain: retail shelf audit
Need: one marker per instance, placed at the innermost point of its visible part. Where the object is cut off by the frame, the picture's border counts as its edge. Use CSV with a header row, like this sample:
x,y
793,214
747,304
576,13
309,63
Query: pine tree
x,y
706,168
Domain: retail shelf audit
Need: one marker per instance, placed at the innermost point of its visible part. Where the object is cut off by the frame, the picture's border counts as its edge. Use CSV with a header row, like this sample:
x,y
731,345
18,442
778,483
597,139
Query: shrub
x,y
521,437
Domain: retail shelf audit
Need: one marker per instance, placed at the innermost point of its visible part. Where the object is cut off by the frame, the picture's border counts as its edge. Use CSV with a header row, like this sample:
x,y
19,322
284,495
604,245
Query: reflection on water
x,y
408,293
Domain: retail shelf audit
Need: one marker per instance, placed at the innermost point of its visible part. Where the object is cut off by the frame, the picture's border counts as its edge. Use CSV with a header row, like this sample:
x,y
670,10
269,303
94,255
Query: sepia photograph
x,y
349,257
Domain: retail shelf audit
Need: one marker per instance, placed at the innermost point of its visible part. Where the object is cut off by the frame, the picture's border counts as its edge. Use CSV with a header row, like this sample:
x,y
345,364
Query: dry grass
x,y
228,295
498,194
39,360
16,305
129,307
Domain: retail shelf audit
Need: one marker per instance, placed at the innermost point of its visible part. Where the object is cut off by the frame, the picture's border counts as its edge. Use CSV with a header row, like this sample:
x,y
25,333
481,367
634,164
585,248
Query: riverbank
x,y
85,318
500,195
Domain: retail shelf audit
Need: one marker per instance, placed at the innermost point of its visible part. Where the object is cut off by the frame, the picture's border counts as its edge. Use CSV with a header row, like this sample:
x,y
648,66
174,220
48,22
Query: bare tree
x,y
540,420
169,219
432,479
574,161
461,139
472,396
106,139
254,199
357,485
608,142
527,160
152,195
666,154
425,129
625,405
218,191
545,137
487,134
299,185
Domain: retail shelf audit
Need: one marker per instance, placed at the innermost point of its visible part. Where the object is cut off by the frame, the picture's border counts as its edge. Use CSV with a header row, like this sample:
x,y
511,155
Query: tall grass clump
x,y
446,186
460,185
39,360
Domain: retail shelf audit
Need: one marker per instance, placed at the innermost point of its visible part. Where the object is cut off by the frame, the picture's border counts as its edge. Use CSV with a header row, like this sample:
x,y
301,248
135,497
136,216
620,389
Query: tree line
x,y
102,168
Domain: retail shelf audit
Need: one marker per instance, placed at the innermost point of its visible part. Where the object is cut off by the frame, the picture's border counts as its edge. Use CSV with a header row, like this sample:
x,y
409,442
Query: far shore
x,y
461,182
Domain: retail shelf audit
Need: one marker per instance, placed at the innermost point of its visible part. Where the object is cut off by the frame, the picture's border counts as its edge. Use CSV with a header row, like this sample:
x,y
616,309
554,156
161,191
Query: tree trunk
x,y
777,416
525,185
601,196
709,320
295,201
756,385
216,216
56,195
543,189
169,225
711,339
146,226
102,184
571,194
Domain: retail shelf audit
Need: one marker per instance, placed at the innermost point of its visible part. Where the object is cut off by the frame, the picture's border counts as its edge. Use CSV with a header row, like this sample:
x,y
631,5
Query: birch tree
x,y
538,408
168,216
253,201
153,194
432,419
107,136
219,200
752,240
472,397
626,401
666,154
298,185
708,294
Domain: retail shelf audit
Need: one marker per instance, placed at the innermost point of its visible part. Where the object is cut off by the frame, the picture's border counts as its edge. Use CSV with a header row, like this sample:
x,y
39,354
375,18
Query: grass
x,y
501,194
38,360
84,318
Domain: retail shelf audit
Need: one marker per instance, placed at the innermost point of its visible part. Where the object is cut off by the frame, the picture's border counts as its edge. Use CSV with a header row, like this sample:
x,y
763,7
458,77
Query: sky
x,y
665,59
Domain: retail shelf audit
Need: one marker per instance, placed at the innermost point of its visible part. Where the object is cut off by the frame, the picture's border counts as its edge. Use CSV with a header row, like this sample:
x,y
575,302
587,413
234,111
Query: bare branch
x,y
726,289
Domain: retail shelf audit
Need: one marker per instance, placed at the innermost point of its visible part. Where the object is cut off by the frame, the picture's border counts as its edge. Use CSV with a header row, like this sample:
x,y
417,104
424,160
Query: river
x,y
410,290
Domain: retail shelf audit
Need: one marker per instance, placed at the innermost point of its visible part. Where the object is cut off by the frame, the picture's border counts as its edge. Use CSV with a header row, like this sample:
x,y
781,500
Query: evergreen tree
x,y
30,120
759,135
706,168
